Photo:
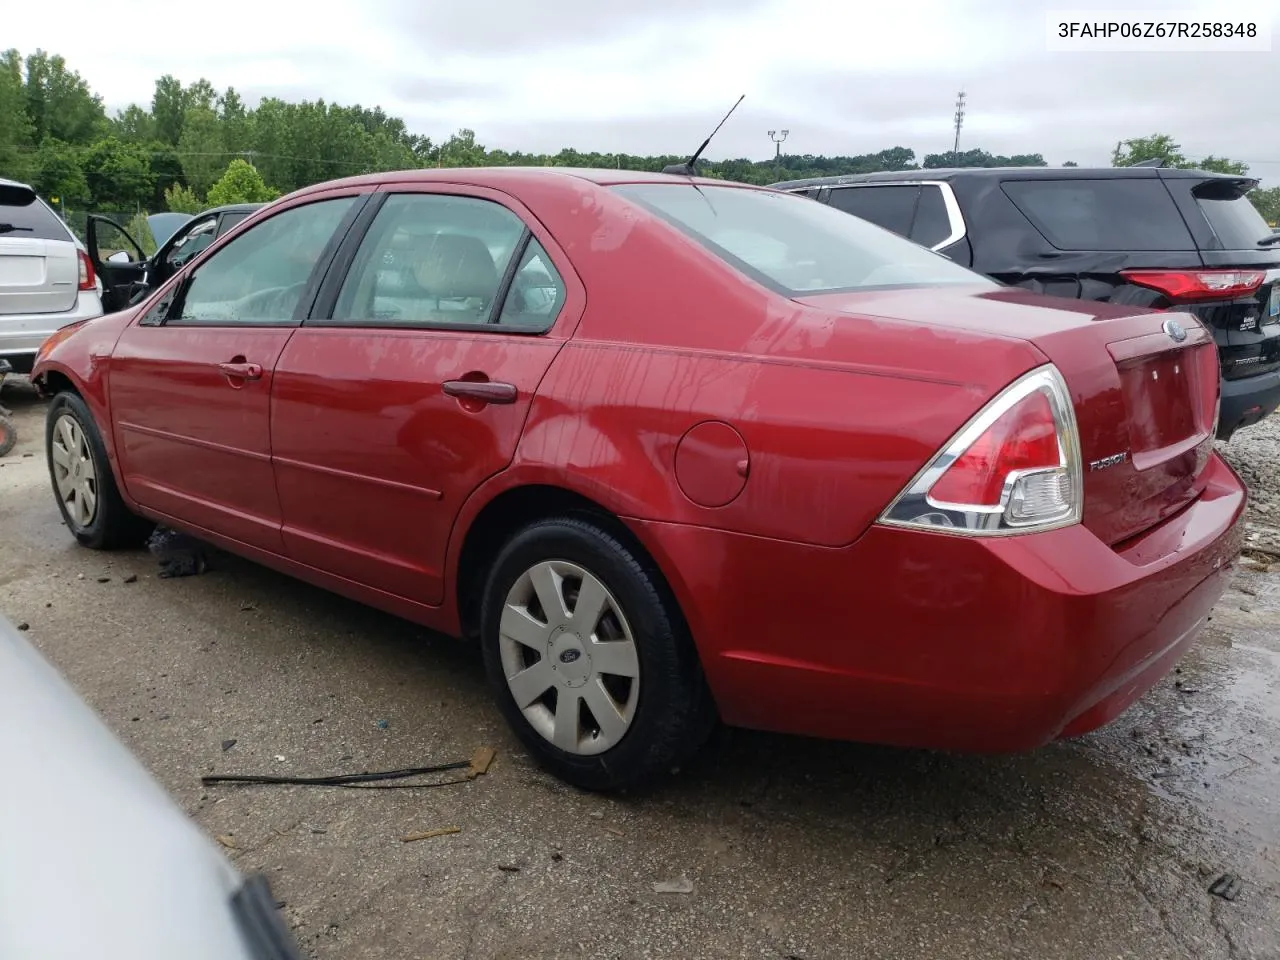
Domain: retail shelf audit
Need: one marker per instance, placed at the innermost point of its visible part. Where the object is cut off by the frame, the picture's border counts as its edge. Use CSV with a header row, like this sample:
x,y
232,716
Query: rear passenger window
x,y
27,218
932,225
1122,214
536,293
888,207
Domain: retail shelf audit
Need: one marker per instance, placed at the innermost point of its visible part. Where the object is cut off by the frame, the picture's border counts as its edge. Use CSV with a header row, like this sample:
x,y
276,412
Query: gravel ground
x,y
1102,847
1255,454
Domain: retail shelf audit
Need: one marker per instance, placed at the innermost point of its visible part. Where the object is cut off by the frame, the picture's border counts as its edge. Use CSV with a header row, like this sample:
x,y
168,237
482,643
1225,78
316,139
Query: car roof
x,y
1019,173
516,177
234,208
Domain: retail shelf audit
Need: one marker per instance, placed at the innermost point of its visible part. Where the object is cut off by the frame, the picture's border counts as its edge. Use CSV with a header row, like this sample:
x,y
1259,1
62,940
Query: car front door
x,y
410,384
118,260
190,380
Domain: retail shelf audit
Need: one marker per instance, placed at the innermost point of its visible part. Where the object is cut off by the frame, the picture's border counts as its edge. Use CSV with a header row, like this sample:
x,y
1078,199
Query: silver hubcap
x,y
73,471
569,657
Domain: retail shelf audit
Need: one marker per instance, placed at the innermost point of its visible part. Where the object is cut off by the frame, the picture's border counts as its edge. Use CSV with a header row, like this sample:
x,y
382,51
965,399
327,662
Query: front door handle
x,y
241,371
485,391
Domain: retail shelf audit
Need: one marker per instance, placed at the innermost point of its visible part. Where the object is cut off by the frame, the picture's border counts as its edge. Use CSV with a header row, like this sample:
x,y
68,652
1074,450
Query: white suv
x,y
46,278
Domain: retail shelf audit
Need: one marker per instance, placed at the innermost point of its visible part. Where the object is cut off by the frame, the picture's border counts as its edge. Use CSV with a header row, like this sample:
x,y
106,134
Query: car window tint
x,y
228,221
30,220
1123,214
1232,216
888,207
430,259
195,240
792,245
931,225
259,276
536,293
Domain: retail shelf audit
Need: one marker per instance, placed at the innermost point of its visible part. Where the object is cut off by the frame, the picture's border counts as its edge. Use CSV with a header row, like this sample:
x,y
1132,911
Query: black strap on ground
x,y
347,779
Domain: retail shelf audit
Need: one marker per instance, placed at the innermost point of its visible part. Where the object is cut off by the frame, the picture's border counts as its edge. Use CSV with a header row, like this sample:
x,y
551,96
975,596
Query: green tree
x,y
242,183
60,103
58,172
1268,203
118,174
140,230
133,124
1071,163
182,199
1161,146
168,109
16,130
201,148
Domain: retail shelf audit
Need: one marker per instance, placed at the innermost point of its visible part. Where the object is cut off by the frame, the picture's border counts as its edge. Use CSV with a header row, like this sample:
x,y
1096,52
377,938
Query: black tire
x,y
113,525
8,436
674,714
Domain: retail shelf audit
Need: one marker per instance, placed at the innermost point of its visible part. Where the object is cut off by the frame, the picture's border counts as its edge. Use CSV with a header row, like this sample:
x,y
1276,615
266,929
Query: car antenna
x,y
686,169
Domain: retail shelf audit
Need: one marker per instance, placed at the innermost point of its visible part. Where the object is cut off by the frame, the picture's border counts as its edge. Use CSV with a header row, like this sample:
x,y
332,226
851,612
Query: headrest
x,y
456,266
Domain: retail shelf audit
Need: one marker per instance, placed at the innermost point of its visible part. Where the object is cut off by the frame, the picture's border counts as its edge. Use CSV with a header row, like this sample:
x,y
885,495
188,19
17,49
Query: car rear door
x,y
410,384
190,381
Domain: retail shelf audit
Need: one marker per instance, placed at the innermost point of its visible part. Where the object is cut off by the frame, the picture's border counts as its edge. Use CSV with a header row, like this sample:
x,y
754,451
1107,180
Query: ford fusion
x,y
673,451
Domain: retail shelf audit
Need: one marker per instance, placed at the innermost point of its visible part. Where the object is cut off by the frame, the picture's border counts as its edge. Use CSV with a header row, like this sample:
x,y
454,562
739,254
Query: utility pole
x,y
955,147
777,141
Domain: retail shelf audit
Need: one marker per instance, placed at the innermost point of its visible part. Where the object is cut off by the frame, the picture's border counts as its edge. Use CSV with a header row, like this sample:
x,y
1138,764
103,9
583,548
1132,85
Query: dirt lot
x,y
1101,848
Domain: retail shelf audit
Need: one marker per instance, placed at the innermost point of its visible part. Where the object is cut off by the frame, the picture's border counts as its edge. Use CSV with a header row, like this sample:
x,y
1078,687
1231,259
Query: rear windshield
x,y
22,215
1232,217
791,244
1122,214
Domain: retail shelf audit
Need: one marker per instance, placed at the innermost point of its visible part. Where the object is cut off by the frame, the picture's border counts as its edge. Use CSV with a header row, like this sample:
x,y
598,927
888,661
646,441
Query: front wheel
x,y
83,483
589,659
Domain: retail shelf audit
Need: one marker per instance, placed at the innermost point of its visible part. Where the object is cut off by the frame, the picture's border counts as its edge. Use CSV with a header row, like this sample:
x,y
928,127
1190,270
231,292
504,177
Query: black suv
x,y
1144,235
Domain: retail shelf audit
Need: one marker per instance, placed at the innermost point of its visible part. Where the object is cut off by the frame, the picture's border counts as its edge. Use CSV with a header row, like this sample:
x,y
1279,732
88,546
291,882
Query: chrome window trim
x,y
954,217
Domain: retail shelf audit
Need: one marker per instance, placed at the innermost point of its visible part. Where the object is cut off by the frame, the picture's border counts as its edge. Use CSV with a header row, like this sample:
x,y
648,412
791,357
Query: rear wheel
x,y
589,658
83,482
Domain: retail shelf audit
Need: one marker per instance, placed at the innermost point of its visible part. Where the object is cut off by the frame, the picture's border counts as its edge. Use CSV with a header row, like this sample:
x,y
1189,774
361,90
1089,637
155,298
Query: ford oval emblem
x,y
570,655
1176,331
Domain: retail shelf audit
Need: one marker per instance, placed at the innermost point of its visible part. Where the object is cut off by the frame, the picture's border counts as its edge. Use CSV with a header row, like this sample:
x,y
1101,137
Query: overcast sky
x,y
843,76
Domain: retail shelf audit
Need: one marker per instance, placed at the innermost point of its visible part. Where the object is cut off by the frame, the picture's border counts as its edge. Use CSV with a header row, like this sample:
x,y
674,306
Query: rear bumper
x,y
1245,402
22,334
925,640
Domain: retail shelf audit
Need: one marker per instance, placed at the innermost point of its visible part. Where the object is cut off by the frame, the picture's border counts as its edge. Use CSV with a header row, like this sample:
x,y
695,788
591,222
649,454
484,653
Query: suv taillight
x,y
1014,468
1192,285
87,279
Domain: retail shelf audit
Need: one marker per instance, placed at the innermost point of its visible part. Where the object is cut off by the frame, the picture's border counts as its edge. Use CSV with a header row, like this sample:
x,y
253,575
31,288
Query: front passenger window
x,y
259,276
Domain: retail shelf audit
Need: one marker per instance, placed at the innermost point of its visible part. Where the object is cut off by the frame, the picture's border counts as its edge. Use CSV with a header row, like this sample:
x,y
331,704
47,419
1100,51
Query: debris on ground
x,y
508,868
382,724
131,578
24,626
429,834
681,884
480,762
227,745
1226,886
227,842
178,554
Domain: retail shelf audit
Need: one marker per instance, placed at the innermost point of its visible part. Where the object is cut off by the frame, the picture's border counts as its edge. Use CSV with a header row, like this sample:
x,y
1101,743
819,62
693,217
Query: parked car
x,y
95,859
1137,236
46,278
817,479
129,274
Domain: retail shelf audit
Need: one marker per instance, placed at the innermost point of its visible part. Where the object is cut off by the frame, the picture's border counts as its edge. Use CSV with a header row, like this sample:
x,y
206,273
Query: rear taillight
x,y
87,279
1014,468
1191,285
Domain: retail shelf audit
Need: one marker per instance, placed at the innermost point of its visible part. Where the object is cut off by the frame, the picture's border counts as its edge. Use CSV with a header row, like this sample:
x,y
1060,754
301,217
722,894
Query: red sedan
x,y
673,450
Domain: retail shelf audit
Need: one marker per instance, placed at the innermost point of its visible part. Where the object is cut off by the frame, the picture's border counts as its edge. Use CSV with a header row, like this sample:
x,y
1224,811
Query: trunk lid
x,y
37,276
1145,401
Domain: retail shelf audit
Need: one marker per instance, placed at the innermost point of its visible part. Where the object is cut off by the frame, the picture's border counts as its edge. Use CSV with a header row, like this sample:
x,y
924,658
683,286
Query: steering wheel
x,y
269,302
